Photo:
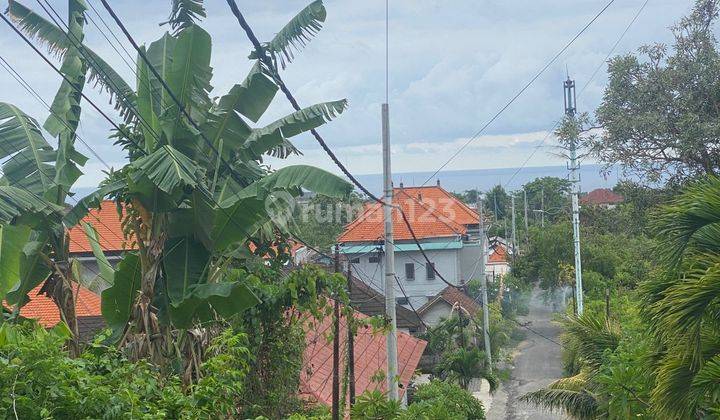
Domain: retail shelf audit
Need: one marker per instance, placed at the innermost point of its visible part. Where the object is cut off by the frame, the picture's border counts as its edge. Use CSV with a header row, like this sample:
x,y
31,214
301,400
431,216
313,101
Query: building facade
x,y
446,228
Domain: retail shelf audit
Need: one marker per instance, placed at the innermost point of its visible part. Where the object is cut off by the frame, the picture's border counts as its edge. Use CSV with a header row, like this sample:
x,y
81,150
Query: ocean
x,y
511,179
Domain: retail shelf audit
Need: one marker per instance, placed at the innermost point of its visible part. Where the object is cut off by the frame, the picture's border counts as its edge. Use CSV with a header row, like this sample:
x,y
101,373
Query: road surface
x,y
537,362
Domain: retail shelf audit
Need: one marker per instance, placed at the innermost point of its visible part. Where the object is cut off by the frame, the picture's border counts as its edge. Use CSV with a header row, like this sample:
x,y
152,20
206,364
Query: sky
x,y
452,65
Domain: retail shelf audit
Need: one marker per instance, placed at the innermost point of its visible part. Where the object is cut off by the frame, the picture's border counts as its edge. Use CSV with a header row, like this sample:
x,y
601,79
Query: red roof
x,y
602,196
499,255
106,222
431,211
370,358
44,310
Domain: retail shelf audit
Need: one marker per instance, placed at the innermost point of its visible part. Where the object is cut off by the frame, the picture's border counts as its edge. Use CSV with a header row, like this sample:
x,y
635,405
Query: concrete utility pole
x,y
542,207
336,347
391,340
514,232
570,108
483,281
527,231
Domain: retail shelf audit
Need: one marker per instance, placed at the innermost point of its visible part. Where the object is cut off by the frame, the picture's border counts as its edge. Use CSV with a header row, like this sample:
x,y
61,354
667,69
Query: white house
x,y
446,228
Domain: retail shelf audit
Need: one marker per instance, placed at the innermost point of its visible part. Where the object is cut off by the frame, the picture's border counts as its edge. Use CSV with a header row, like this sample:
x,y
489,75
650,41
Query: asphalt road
x,y
537,362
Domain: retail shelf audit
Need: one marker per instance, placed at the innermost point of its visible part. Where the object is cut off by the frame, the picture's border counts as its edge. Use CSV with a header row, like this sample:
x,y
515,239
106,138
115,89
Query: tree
x,y
195,192
681,303
660,109
37,179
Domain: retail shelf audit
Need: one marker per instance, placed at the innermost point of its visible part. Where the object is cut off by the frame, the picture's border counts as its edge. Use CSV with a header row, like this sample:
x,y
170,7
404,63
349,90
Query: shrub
x,y
440,398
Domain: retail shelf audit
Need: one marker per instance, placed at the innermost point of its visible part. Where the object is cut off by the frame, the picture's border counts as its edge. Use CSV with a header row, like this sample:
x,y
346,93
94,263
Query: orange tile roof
x,y
107,223
44,310
601,196
370,357
432,212
499,255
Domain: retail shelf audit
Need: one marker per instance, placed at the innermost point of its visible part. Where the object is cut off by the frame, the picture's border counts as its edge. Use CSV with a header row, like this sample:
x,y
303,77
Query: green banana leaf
x,y
12,241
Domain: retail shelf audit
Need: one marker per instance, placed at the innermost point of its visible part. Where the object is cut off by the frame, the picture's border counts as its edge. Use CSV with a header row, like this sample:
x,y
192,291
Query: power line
x,y
592,76
521,91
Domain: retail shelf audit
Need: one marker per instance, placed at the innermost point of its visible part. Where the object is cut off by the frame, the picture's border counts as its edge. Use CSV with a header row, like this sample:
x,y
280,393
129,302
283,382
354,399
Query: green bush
x,y
438,397
436,400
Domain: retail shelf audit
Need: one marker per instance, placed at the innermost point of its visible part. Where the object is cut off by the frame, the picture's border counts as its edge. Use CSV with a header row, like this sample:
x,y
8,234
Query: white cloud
x,y
453,64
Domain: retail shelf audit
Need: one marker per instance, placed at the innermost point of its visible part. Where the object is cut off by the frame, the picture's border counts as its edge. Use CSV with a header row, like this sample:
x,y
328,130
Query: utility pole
x,y
527,231
336,348
483,282
391,340
542,207
570,108
351,345
514,232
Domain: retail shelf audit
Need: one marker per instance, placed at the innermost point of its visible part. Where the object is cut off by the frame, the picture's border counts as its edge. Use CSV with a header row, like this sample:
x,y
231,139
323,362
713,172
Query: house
x,y
370,359
446,228
106,222
369,301
602,197
498,260
444,303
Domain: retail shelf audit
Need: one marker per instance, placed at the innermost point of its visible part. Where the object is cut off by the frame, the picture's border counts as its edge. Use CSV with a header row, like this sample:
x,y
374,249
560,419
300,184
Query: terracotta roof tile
x,y
370,357
499,255
107,223
432,212
601,196
44,310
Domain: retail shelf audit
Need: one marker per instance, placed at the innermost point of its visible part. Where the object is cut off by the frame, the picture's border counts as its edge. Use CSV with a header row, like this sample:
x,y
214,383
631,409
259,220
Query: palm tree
x,y
585,340
464,365
195,190
682,304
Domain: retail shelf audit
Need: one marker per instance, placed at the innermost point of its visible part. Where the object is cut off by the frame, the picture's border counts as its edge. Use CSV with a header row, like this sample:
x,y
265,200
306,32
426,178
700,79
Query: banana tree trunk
x,y
59,288
143,335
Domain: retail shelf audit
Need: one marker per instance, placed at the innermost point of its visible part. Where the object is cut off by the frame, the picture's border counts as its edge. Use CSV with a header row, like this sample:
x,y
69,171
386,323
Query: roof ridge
x,y
439,217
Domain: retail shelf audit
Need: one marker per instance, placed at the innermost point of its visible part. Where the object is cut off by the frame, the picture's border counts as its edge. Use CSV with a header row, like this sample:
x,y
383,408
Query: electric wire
x,y
521,91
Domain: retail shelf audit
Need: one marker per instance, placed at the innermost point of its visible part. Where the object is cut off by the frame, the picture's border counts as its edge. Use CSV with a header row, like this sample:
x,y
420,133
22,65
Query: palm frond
x,y
590,335
296,34
578,404
184,13
672,396
687,222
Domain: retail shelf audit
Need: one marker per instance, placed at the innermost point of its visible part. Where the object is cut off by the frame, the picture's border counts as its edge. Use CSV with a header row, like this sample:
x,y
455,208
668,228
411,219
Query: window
x,y
374,259
410,271
355,260
402,301
430,271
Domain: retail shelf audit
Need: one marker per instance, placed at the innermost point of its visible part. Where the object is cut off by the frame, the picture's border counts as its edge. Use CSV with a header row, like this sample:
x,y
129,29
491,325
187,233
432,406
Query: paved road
x,y
536,364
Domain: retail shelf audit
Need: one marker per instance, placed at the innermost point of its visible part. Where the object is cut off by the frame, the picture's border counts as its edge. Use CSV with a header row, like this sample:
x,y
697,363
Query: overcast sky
x,y
453,64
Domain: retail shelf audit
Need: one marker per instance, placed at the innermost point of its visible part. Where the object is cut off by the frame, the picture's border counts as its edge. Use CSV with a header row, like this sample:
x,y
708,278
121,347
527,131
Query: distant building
x,y
106,222
370,302
499,254
446,228
603,197
440,307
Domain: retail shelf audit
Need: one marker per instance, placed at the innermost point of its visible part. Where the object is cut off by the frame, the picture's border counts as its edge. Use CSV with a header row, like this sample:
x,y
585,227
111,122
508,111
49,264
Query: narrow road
x,y
536,363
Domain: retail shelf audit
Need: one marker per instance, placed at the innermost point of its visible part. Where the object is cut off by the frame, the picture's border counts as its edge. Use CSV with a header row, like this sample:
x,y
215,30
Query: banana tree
x,y
195,190
35,184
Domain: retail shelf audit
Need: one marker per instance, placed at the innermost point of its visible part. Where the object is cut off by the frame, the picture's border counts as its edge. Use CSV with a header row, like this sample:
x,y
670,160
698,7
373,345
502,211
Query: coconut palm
x,y
585,340
195,190
682,304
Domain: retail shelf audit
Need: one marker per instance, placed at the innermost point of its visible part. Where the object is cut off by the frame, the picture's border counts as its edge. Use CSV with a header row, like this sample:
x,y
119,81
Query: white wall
x,y
439,311
446,263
